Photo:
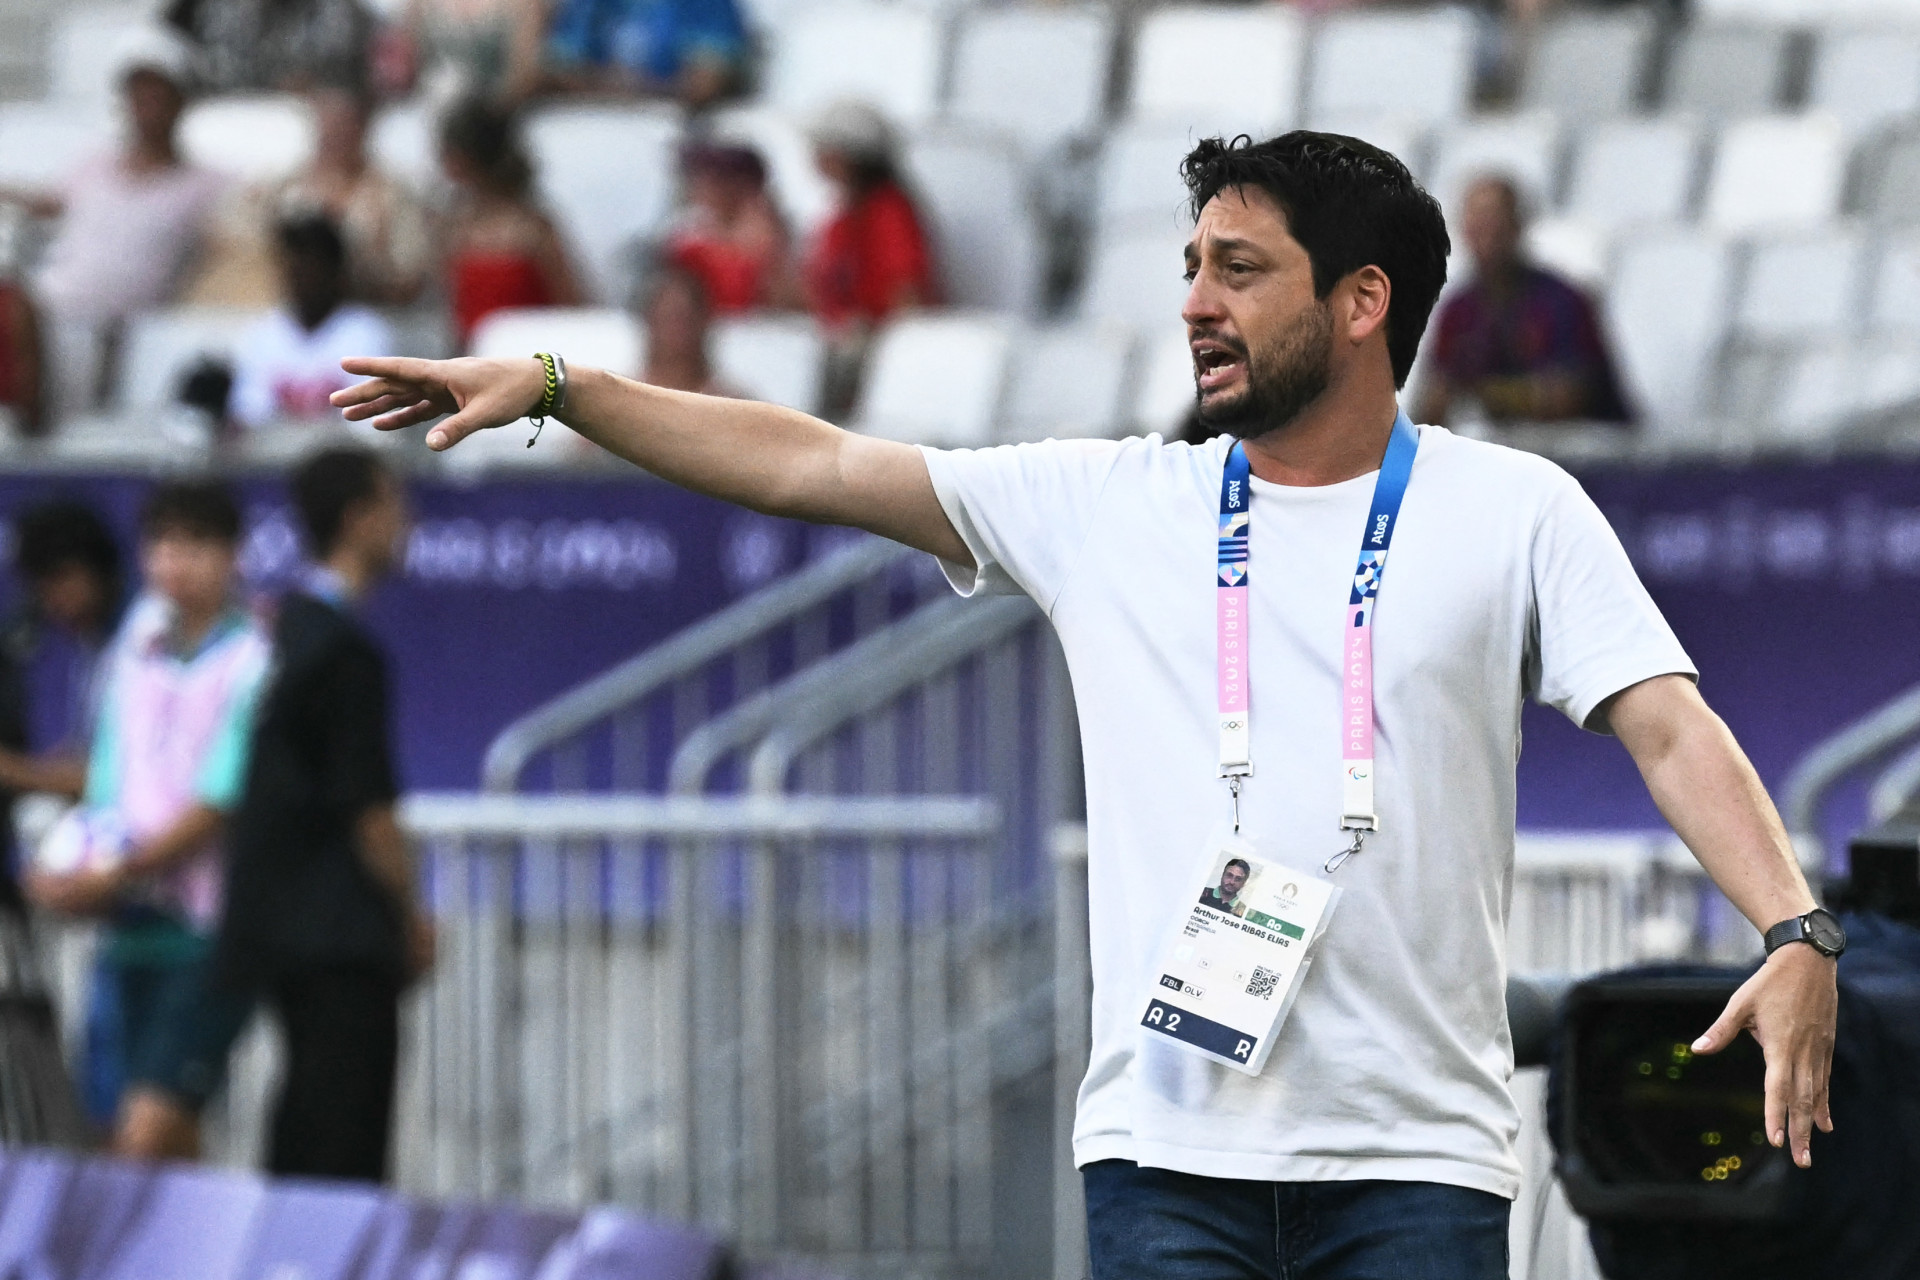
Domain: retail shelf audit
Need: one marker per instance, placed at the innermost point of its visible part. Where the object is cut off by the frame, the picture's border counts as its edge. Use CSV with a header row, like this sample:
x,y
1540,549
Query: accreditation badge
x,y
1237,953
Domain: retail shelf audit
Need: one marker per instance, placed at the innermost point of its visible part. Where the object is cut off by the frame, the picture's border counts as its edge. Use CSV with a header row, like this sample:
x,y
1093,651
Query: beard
x,y
1283,378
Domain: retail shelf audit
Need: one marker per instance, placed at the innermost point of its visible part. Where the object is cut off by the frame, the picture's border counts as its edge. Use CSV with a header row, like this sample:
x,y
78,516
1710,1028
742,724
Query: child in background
x,y
168,758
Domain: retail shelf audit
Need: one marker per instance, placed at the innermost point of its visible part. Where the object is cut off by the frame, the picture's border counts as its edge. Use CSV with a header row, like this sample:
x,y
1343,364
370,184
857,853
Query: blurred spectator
x,y
502,251
731,236
68,561
253,46
692,50
1517,340
20,364
477,48
678,316
323,915
169,753
289,363
871,258
131,224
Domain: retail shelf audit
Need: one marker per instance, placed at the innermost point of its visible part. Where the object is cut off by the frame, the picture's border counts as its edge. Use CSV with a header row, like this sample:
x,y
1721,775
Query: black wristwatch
x,y
1818,929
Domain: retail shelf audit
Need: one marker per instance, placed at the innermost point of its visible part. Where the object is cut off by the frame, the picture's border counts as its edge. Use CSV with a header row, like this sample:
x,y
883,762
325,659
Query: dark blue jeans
x,y
1153,1224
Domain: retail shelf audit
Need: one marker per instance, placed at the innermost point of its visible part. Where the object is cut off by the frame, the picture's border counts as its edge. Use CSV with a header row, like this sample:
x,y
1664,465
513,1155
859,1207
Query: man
x,y
1378,1138
1225,897
1520,341
323,918
289,361
169,750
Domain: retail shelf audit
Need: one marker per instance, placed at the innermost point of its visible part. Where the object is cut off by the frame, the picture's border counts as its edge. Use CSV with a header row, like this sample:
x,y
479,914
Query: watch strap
x,y
1792,929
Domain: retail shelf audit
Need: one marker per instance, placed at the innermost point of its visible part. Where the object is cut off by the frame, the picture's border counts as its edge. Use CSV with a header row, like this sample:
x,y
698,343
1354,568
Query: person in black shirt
x,y
322,916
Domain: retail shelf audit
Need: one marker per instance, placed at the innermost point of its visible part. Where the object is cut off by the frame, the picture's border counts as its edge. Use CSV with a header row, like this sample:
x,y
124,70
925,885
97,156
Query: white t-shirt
x,y
1504,581
283,373
126,238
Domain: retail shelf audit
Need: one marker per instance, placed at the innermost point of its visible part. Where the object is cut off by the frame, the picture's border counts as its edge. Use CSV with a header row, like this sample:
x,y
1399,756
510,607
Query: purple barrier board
x,y
1795,588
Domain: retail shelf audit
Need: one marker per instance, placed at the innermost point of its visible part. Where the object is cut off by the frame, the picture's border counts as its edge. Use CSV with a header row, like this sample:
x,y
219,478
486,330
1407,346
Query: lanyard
x,y
1356,658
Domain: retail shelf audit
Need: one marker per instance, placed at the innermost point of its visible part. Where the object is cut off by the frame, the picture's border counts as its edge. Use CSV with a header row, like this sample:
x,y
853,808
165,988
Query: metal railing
x,y
1821,771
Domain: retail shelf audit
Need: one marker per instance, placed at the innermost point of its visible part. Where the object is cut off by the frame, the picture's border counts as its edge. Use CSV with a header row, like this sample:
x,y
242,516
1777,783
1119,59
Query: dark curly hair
x,y
1349,205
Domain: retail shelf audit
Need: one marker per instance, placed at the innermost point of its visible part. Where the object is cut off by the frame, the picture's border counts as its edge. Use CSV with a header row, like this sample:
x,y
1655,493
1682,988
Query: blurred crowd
x,y
332,253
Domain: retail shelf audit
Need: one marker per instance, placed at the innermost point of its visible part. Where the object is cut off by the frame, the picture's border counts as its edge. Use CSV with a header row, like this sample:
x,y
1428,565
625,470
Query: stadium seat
x,y
936,379
1668,303
1415,63
1038,75
985,230
886,54
1578,250
83,50
1776,172
1163,396
315,1231
402,143
1865,79
609,173
41,142
1896,295
1068,381
1523,148
777,358
1727,70
1890,177
1139,175
1406,139
1802,286
1633,171
1219,69
1589,65
160,348
1135,277
1822,392
193,1224
600,336
256,138
802,194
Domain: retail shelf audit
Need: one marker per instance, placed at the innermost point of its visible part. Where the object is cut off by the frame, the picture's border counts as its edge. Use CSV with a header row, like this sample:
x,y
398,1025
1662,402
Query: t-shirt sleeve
x,y
1596,631
358,761
1023,510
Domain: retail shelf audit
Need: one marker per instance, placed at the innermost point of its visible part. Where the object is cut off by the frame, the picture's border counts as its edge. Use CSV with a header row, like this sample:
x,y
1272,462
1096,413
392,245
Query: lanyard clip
x,y
1339,859
1233,785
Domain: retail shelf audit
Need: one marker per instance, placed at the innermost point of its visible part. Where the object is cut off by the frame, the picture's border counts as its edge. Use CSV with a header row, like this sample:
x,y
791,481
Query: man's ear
x,y
1364,298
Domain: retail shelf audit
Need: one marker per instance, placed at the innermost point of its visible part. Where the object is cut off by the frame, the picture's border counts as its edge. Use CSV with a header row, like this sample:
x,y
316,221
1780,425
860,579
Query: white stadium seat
x,y
1037,74
1414,63
1219,69
1809,11
1633,171
1589,65
985,231
1523,148
1728,71
609,173
1068,381
1821,388
402,142
1864,79
599,336
1776,172
1668,306
1578,250
162,346
1803,286
936,379
42,142
256,138
886,54
1163,399
1139,176
777,358
1136,277
83,50
1404,138
1896,294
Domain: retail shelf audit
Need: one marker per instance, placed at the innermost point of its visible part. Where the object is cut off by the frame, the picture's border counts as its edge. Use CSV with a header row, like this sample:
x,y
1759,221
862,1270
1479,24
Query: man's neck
x,y
1337,438
191,627
354,573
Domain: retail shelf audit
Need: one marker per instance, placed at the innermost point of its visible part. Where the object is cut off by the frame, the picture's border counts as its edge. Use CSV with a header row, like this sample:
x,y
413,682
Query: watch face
x,y
1825,931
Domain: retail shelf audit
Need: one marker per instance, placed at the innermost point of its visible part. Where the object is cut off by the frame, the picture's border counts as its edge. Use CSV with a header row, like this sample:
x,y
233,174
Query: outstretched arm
x,y
771,459
1708,790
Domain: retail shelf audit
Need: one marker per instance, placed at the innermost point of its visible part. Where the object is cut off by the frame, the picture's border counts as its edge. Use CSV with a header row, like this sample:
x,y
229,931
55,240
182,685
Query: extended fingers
x,y
409,416
1727,1027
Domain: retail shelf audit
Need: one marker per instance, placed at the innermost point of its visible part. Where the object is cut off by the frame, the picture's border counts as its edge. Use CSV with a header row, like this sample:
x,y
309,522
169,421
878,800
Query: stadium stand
x,y
1590,64
1219,68
936,380
1037,75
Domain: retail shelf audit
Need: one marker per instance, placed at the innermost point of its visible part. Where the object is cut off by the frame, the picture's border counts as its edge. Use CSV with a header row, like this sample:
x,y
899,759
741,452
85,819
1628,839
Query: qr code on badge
x,y
1263,984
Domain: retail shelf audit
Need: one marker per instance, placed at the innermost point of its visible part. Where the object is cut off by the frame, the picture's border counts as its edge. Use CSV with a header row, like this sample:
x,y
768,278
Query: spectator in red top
x,y
731,237
872,258
502,250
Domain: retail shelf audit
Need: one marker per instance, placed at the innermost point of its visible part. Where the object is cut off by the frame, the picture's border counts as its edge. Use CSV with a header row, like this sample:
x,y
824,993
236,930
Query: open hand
x,y
1789,1006
401,392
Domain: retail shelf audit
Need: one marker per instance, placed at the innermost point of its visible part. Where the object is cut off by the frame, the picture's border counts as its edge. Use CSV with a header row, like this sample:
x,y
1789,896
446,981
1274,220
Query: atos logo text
x,y
1380,528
